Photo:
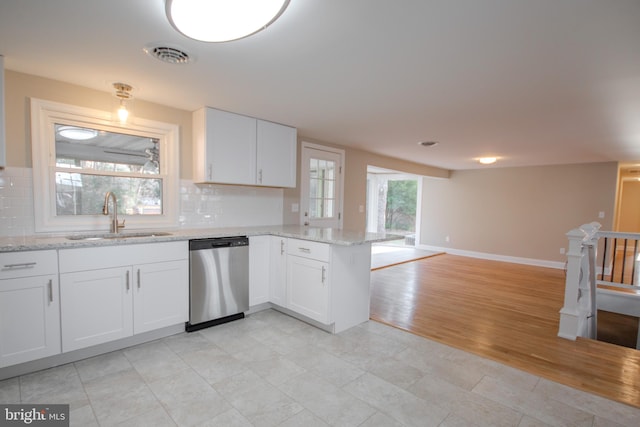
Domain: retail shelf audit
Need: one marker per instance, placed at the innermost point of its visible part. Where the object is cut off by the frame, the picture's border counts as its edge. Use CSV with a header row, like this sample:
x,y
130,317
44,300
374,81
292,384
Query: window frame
x,y
45,115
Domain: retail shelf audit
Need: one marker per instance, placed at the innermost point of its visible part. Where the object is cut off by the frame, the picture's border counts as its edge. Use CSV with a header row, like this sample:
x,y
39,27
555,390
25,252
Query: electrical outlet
x,y
601,214
295,207
447,239
561,251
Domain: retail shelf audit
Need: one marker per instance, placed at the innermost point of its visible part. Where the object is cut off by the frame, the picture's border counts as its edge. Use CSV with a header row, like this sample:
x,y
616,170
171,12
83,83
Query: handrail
x,y
584,284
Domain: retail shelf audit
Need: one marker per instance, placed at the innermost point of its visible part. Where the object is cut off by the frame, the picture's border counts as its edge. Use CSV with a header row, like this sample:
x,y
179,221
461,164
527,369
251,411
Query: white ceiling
x,y
531,81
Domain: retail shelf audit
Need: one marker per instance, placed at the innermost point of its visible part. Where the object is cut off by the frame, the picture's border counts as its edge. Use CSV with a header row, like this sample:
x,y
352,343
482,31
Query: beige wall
x,y
520,212
19,88
355,182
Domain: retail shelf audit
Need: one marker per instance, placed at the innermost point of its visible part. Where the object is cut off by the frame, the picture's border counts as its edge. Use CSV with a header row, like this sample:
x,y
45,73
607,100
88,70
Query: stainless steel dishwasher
x,y
218,281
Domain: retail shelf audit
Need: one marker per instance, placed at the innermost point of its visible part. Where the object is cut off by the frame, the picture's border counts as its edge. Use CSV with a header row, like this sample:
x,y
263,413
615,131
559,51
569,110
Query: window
x,y
80,154
321,186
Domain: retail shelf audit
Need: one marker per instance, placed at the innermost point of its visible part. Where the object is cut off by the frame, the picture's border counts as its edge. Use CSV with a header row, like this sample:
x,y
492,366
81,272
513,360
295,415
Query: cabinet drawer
x,y
308,249
29,263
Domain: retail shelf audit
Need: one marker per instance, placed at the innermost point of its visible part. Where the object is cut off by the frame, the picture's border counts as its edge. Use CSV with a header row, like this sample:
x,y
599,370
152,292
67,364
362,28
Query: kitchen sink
x,y
104,236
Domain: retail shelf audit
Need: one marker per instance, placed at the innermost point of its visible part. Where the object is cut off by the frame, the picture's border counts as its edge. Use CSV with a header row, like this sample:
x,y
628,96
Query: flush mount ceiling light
x,y
76,133
487,160
223,20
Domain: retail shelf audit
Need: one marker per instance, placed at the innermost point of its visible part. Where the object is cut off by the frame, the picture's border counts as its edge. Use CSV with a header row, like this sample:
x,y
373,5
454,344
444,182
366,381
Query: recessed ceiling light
x,y
223,20
428,143
487,160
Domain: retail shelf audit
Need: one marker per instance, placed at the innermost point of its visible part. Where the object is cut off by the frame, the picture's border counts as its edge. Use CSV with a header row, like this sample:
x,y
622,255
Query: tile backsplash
x,y
16,202
201,205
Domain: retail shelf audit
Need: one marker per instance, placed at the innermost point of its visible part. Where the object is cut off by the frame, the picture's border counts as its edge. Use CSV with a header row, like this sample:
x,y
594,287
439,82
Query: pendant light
x,y
223,20
123,94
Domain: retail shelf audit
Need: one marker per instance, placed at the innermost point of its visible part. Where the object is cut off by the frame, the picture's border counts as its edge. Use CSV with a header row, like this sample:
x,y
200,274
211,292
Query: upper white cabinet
x,y
276,155
225,147
235,149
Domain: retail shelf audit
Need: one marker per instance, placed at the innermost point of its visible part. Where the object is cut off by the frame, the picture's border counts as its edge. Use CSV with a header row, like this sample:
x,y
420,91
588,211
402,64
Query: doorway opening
x,y
393,204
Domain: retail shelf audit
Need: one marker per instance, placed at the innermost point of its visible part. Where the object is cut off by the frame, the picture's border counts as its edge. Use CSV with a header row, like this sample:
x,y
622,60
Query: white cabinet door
x,y
278,271
259,266
96,306
161,295
225,147
308,288
276,155
29,319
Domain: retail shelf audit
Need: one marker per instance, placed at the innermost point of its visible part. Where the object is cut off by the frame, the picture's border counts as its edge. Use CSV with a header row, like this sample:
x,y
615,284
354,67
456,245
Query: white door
x,y
321,186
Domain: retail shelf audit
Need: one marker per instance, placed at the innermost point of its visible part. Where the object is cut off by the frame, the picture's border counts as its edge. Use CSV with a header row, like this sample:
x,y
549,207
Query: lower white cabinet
x,y
96,307
278,271
29,306
160,296
259,269
140,288
322,282
308,288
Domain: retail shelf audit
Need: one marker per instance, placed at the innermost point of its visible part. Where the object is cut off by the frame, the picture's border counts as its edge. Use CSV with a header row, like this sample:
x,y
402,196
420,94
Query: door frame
x,y
304,182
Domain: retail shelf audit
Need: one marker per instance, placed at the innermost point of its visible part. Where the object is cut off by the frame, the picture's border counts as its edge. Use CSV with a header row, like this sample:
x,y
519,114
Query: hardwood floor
x,y
505,312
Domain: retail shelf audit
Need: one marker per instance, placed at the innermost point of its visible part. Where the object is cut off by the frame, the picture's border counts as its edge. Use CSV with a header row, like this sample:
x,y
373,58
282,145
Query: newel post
x,y
576,309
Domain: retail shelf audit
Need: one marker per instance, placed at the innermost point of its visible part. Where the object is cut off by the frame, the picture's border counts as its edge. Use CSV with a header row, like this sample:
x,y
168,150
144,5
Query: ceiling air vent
x,y
169,54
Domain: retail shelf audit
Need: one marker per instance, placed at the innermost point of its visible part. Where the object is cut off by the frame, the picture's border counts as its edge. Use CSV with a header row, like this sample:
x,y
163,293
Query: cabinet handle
x,y
19,265
281,247
305,250
138,278
128,286
260,176
209,172
324,274
50,289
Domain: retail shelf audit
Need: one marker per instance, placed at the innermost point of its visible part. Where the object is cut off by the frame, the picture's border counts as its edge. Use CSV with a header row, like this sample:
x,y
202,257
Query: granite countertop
x,y
61,241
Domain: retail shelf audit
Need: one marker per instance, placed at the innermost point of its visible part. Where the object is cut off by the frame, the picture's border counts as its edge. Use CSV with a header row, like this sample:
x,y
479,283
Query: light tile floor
x,y
272,370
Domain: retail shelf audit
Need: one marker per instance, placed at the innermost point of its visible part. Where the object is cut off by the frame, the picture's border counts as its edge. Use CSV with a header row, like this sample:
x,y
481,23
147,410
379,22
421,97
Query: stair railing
x,y
615,287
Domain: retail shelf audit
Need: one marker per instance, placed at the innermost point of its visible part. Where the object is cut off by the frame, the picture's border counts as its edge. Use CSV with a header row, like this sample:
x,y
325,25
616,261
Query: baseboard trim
x,y
495,257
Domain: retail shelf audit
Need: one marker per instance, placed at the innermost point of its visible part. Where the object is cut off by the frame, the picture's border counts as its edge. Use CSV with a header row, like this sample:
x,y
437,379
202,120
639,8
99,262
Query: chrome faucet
x,y
115,225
